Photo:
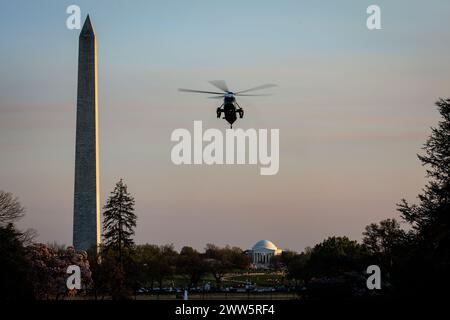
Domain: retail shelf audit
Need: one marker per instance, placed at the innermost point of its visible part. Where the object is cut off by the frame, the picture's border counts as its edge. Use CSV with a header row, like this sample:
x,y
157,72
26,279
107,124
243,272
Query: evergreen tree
x,y
430,218
119,220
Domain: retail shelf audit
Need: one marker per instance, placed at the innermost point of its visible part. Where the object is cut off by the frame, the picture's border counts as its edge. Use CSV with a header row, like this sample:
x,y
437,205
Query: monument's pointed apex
x,y
87,27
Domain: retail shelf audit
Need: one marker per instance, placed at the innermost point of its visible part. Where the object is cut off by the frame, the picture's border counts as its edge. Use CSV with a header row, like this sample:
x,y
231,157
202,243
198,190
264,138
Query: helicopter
x,y
230,108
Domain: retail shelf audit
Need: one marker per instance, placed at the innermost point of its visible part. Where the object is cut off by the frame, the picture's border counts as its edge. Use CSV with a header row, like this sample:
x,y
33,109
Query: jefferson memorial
x,y
262,253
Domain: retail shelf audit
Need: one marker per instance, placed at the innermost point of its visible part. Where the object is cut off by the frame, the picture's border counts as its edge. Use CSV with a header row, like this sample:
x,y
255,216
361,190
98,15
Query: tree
x,y
100,272
155,263
146,256
383,240
336,255
165,266
219,261
119,220
32,270
430,218
15,282
280,262
191,263
14,276
239,259
296,264
112,276
117,264
48,270
224,260
10,208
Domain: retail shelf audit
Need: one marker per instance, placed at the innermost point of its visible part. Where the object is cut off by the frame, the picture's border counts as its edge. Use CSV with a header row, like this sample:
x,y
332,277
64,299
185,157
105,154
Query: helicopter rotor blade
x,y
216,97
220,84
252,95
199,91
264,86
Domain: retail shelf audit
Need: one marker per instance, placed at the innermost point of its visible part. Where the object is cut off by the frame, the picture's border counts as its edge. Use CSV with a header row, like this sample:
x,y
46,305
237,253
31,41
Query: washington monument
x,y
86,213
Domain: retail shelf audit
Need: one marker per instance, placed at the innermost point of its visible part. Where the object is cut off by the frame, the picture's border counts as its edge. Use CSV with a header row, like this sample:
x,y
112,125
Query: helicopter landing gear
x,y
219,112
239,110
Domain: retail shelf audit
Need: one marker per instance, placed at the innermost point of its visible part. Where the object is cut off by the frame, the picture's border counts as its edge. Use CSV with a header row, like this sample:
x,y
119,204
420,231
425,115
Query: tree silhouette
x,y
10,208
223,260
119,220
336,255
383,239
155,263
430,219
15,283
191,264
117,269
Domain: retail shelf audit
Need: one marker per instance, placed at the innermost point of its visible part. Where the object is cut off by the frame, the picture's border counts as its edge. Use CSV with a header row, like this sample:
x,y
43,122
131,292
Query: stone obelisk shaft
x,y
86,217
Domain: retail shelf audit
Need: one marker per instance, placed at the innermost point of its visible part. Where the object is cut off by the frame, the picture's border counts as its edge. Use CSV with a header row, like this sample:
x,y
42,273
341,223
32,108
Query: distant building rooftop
x,y
264,244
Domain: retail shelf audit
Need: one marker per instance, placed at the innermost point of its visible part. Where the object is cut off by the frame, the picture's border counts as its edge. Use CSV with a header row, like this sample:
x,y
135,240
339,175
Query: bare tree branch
x,y
10,208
